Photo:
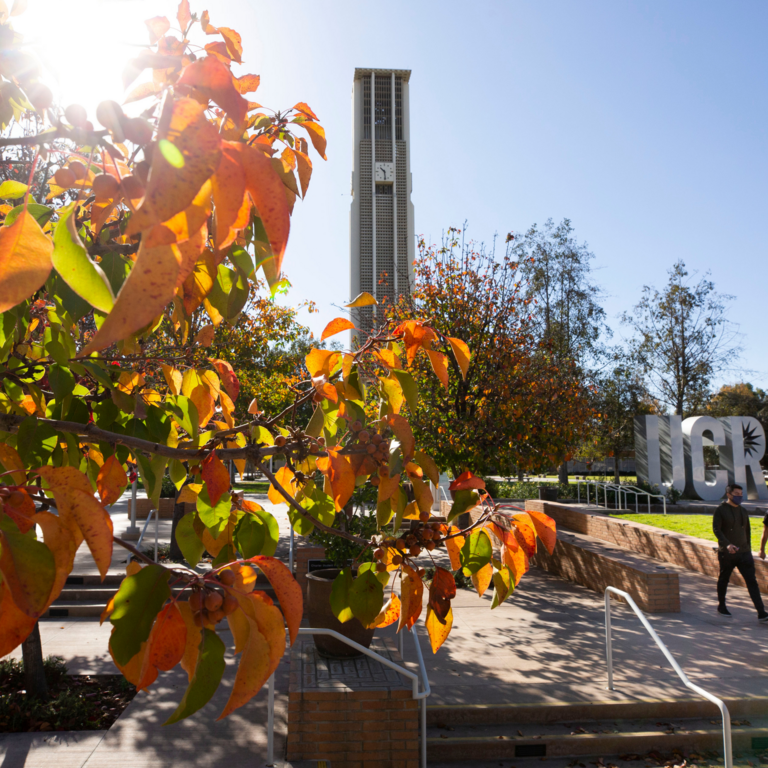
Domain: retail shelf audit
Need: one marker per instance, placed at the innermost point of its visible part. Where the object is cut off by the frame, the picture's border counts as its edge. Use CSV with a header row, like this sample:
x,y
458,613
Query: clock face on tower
x,y
385,172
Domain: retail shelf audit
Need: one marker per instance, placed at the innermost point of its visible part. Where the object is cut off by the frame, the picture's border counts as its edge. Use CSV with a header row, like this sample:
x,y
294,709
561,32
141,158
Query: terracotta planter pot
x,y
319,585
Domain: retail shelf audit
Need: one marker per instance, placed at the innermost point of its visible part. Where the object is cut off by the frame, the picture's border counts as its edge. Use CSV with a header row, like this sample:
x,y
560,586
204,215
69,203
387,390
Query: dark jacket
x,y
731,526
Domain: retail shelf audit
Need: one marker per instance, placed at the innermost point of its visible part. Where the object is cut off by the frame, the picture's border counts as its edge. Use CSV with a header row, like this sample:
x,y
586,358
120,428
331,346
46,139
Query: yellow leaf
x,y
363,300
173,378
461,353
25,260
286,478
438,632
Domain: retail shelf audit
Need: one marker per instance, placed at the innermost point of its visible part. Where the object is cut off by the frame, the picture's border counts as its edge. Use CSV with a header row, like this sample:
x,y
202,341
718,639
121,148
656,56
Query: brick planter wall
x,y
687,552
354,713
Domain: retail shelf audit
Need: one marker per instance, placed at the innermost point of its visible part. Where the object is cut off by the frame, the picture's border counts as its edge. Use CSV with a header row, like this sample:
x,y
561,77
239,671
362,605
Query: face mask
x,y
737,499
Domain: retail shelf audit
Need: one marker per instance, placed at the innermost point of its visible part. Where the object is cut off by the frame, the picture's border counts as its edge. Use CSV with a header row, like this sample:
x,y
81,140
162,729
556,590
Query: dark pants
x,y
746,565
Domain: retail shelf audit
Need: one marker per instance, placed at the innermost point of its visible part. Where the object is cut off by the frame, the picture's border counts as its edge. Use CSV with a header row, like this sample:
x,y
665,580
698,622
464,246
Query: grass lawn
x,y
693,525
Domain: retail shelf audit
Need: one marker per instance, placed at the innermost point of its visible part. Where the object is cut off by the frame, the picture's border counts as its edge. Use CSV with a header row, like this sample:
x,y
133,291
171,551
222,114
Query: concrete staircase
x,y
86,596
590,729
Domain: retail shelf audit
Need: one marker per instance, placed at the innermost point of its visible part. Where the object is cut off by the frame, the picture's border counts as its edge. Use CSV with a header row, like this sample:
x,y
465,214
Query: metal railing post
x,y
271,721
727,742
157,531
134,488
290,551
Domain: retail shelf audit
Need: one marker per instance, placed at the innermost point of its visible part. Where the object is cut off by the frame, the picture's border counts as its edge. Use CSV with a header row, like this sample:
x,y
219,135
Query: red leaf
x,y
228,378
411,596
441,592
183,15
466,481
287,590
157,27
341,476
545,528
215,477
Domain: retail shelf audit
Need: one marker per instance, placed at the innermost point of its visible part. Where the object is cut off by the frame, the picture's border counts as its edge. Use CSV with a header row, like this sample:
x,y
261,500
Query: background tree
x,y
618,396
682,339
519,406
567,316
742,399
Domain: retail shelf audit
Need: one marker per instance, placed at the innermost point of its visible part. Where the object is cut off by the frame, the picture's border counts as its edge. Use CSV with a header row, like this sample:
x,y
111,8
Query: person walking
x,y
730,525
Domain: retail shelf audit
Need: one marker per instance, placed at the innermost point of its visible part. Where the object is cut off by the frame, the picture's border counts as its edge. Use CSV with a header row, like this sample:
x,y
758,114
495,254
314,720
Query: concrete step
x,y
446,715
596,738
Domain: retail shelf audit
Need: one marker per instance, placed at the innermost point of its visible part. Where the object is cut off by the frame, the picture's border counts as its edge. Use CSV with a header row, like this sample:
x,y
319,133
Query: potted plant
x,y
361,520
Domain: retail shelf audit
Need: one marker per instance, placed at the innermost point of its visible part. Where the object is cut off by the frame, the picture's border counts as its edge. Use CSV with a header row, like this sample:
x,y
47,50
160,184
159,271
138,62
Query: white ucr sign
x,y
669,451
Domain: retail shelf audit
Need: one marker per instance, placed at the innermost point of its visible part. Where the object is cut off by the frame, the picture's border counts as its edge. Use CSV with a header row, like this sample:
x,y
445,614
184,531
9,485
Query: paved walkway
x,y
545,643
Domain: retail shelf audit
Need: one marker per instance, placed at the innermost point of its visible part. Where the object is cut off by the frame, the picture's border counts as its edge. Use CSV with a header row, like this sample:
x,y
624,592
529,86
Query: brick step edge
x,y
560,712
585,745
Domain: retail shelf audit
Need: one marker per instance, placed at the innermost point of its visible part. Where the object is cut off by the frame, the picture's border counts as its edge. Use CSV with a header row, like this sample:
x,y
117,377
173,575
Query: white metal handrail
x,y
727,746
621,492
157,530
412,676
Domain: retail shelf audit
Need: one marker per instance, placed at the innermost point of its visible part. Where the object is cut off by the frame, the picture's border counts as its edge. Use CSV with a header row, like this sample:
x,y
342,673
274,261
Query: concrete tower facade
x,y
382,241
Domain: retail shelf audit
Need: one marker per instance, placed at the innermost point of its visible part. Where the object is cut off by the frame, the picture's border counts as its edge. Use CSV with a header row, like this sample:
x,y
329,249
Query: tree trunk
x,y
520,476
34,671
562,473
616,476
178,513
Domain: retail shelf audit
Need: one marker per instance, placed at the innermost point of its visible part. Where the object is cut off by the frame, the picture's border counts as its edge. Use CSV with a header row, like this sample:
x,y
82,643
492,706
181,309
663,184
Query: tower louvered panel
x,y
382,234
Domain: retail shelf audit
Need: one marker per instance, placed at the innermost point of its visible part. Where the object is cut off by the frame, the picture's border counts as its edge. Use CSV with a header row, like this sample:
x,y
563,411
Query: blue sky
x,y
642,122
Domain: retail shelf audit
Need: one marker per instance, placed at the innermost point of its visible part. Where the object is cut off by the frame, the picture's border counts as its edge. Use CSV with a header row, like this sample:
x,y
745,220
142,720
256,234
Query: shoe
x,y
723,611
762,617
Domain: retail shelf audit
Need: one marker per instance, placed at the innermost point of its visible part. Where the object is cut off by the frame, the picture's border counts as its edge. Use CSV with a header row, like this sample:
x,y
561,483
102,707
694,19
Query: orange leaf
x,y
304,169
441,592
321,362
388,486
482,578
316,136
20,508
304,108
247,83
403,432
422,494
545,528
287,591
215,82
157,27
165,646
525,533
192,646
150,285
438,628
234,43
15,626
454,546
25,260
12,462
215,477
233,208
516,561
172,188
183,225
77,507
466,481
205,23
389,614
285,477
411,596
183,15
173,378
461,353
111,480
339,472
63,544
204,402
268,194
336,326
228,377
439,366
505,537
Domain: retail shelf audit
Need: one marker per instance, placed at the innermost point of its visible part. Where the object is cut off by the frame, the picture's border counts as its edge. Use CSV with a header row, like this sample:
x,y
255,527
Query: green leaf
x,y
476,552
116,269
171,153
226,555
242,260
366,597
467,499
320,505
35,442
186,414
504,584
257,533
71,261
177,473
410,390
263,435
61,380
340,590
208,673
27,566
383,513
137,603
189,542
395,458
214,517
11,190
315,426
41,214
238,296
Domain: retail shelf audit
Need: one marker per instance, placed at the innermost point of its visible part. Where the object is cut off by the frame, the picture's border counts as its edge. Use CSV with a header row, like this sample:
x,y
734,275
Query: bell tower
x,y
382,244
